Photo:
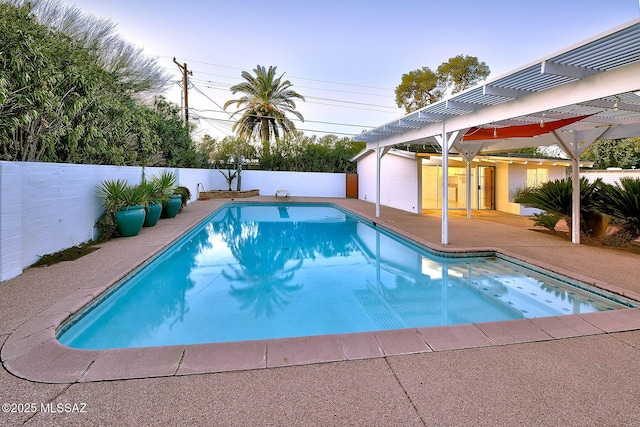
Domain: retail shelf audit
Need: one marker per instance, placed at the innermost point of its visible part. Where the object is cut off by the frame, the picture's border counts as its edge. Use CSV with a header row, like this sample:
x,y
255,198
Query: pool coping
x,y
32,351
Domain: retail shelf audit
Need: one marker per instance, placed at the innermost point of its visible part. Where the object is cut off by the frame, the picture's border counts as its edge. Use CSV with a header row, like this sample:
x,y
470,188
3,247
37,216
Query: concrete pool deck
x,y
573,369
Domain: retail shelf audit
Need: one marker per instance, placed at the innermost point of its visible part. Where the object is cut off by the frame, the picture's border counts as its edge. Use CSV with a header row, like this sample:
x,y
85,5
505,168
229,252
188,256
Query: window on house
x,y
537,177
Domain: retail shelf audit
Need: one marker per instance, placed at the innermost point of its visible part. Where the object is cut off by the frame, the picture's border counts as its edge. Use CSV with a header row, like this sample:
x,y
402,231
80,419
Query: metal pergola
x,y
598,78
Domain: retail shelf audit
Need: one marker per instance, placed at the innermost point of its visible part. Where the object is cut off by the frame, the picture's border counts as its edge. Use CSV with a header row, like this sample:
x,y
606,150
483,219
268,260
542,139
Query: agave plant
x,y
622,201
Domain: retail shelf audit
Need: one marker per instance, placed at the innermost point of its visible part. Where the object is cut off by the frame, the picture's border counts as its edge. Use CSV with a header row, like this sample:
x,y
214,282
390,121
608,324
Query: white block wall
x,y
47,207
303,184
610,176
398,181
10,220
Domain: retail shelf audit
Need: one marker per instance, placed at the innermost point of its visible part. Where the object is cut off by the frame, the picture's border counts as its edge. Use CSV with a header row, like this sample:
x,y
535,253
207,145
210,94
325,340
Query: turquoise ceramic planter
x,y
172,206
130,220
153,211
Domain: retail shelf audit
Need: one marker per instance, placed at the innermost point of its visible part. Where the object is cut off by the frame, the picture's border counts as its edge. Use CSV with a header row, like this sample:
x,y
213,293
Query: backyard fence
x,y
48,207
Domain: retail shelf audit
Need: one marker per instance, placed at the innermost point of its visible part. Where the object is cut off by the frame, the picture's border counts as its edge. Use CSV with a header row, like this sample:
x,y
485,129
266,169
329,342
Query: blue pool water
x,y
256,271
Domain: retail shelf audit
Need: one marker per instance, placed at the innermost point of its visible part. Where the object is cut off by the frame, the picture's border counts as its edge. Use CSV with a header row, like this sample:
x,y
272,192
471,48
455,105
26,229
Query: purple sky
x,y
346,57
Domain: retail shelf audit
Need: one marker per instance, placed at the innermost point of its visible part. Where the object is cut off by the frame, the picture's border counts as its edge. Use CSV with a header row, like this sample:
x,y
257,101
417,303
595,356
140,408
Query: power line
x,y
297,77
207,96
223,87
298,86
300,129
349,102
298,120
310,97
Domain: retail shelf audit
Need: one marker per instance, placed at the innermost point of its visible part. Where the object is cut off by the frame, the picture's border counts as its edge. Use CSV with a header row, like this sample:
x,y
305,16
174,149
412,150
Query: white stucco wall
x,y
399,184
516,177
47,207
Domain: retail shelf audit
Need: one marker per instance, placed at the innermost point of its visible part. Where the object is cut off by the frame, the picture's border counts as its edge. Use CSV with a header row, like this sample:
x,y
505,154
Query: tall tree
x,y
418,89
462,72
422,87
263,107
621,153
72,91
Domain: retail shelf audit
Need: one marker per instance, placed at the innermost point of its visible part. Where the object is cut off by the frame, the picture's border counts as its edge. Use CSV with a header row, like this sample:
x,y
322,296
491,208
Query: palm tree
x,y
266,100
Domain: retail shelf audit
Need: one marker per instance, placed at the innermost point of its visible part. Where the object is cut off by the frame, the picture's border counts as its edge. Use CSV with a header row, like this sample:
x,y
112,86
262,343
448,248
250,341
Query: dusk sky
x,y
345,56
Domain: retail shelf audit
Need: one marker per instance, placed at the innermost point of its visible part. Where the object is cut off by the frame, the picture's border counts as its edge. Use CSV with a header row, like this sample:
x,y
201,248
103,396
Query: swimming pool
x,y
256,271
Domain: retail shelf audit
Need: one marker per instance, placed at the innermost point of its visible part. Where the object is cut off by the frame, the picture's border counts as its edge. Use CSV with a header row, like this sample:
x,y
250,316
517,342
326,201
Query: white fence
x,y
47,207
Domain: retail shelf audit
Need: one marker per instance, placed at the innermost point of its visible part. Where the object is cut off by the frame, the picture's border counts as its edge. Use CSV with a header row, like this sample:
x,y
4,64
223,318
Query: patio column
x,y
445,141
574,144
468,189
378,179
575,201
445,186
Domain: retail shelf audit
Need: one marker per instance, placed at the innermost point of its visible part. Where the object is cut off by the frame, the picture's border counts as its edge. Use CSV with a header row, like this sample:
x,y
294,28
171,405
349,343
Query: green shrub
x,y
185,193
546,220
622,202
556,197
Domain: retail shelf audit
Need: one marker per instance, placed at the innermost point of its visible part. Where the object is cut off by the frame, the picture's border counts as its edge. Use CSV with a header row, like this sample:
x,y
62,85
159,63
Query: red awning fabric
x,y
522,131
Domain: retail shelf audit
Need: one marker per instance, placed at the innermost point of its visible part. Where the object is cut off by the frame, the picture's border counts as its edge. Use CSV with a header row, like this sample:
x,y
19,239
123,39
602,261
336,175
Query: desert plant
x,y
546,220
229,176
556,197
166,183
111,193
133,195
117,196
622,201
152,192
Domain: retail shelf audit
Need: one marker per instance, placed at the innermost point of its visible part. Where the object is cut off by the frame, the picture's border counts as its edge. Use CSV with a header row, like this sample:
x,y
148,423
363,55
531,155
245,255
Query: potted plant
x,y
186,195
125,203
166,183
153,205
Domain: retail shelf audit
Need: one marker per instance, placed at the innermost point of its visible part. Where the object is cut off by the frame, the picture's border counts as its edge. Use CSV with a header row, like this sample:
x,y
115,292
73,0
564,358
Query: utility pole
x,y
185,72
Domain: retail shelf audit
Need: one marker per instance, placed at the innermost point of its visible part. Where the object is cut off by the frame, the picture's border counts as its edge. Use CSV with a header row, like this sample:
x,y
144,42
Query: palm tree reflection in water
x,y
268,254
263,251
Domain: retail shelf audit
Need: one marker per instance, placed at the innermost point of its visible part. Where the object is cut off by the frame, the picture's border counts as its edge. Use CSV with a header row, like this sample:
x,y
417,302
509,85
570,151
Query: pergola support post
x,y
446,141
445,186
575,202
574,144
378,157
468,189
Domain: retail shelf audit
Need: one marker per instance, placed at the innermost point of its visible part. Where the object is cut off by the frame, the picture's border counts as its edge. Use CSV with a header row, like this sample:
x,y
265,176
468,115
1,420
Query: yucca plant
x,y
166,183
622,201
111,193
134,195
121,201
152,191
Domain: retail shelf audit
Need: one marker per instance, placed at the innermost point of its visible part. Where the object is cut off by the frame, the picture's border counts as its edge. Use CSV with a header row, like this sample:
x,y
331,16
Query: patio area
x,y
574,370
